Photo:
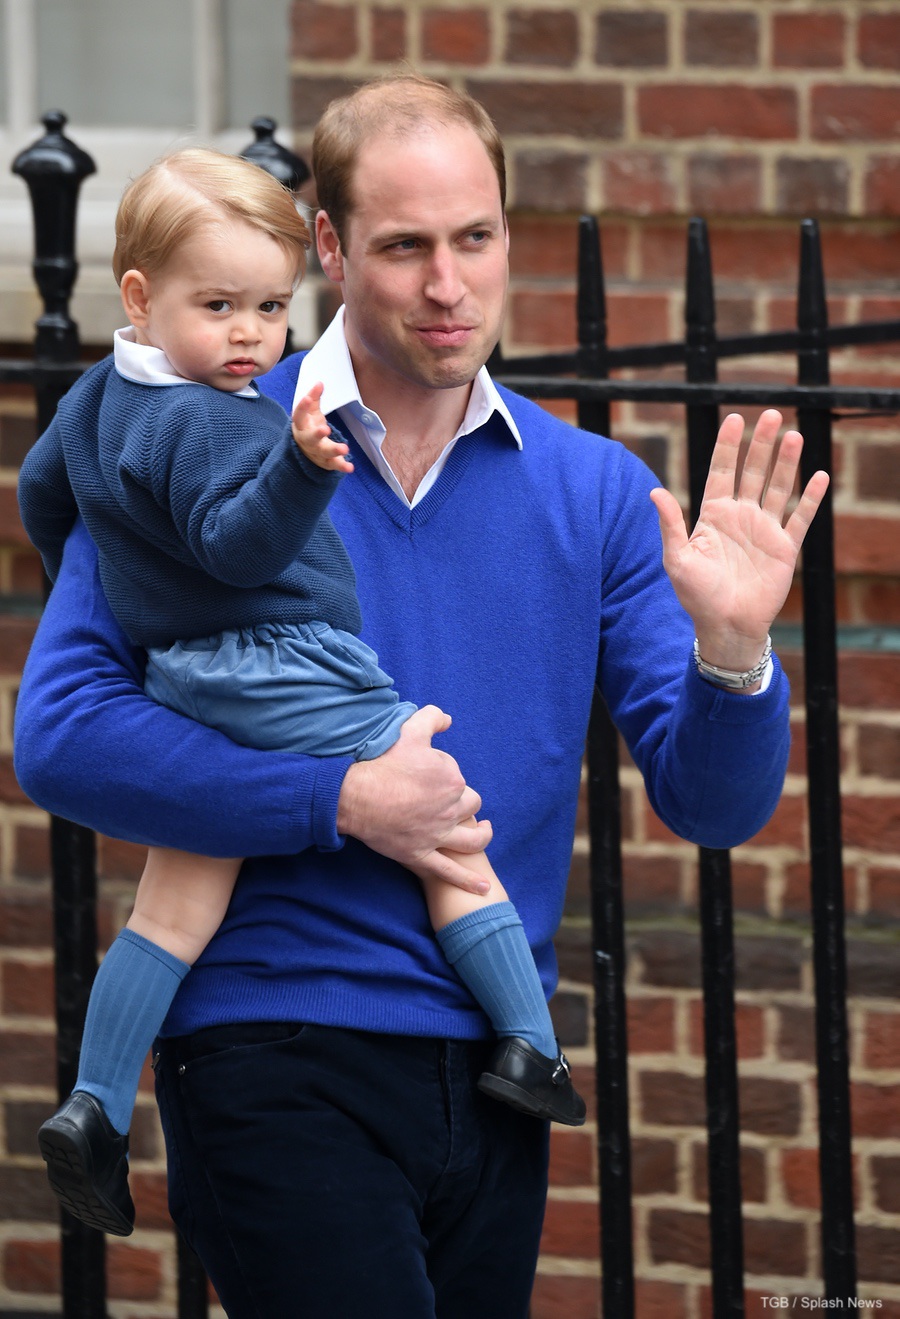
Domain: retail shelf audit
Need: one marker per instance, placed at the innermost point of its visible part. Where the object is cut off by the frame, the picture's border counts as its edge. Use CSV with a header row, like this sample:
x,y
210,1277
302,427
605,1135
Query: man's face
x,y
424,272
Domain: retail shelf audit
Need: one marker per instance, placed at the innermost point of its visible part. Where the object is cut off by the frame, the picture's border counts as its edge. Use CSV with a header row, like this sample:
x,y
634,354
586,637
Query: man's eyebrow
x,y
387,236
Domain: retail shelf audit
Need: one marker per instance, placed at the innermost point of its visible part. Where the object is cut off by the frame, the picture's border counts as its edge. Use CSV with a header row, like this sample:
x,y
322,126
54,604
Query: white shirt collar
x,y
150,366
329,361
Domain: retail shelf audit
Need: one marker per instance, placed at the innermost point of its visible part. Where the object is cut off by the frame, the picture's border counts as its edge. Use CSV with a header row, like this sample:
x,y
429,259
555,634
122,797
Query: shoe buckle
x,y
561,1072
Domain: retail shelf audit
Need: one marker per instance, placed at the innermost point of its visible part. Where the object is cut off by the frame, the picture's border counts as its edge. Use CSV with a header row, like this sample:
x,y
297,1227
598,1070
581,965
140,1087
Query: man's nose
x,y
444,284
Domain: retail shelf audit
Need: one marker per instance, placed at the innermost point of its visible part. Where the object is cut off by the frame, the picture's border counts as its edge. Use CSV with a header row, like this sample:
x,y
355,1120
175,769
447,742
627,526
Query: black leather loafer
x,y
533,1083
87,1165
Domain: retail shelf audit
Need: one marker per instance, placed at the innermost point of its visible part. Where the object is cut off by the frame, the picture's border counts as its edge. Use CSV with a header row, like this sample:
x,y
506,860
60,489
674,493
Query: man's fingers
x,y
427,722
671,520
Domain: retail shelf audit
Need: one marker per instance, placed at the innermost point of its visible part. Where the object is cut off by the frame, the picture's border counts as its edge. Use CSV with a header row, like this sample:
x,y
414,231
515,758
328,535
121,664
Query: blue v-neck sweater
x,y
520,578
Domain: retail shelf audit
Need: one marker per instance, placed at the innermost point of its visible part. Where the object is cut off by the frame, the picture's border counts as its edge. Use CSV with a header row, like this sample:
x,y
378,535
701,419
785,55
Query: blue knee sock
x,y
129,1000
491,954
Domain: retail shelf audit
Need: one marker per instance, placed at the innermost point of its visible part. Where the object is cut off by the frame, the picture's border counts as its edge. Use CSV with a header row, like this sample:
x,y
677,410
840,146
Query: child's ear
x,y
134,287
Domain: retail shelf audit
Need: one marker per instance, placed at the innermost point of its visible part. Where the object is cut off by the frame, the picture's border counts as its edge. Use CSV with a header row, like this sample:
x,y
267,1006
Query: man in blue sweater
x,y
329,1152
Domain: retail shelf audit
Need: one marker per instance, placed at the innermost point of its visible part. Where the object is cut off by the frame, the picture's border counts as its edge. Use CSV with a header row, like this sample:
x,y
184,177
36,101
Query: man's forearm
x,y
90,746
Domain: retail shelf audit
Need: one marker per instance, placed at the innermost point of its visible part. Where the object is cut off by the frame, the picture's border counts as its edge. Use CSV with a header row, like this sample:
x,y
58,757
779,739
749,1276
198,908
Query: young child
x,y
217,555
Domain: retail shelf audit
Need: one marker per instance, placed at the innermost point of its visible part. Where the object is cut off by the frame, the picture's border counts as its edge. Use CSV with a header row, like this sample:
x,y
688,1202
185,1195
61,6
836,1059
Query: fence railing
x,y
54,169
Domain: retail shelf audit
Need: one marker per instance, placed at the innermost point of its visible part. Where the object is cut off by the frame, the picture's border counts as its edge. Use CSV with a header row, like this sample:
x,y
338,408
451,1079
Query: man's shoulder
x,y
281,382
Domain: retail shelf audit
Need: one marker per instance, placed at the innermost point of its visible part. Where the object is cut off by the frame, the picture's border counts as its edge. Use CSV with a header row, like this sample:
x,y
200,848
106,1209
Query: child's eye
x,y
218,304
271,306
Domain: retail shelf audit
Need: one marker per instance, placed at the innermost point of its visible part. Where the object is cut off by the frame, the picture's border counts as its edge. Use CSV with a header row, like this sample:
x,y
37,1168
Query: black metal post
x,y
607,908
716,919
289,169
54,169
823,777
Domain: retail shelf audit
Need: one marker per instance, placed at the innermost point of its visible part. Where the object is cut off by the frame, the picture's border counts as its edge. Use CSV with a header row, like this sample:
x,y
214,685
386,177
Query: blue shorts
x,y
303,687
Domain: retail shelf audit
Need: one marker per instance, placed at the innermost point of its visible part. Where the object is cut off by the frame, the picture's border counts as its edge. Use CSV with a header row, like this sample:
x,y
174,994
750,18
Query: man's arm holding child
x,y
91,747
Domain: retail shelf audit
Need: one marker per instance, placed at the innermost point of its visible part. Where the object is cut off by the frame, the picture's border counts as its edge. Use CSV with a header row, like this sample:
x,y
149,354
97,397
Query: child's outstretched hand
x,y
311,434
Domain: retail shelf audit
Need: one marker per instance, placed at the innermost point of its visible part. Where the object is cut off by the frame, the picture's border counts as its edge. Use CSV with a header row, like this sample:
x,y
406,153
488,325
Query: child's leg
x,y
180,903
483,938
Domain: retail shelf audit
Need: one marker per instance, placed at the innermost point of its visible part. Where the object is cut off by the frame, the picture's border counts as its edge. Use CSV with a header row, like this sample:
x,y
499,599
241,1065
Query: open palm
x,y
733,573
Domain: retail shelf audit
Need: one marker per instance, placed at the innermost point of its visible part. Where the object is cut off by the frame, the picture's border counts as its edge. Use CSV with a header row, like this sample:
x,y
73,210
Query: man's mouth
x,y
445,336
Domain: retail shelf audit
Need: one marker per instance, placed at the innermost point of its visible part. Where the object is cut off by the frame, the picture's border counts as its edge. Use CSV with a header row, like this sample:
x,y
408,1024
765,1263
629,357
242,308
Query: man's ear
x,y
328,244
134,287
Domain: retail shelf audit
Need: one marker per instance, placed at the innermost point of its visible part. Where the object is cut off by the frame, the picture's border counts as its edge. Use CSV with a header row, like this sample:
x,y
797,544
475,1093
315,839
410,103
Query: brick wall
x,y
754,115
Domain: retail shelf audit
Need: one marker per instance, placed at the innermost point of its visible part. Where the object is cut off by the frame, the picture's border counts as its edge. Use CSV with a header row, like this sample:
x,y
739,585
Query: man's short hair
x,y
394,106
183,192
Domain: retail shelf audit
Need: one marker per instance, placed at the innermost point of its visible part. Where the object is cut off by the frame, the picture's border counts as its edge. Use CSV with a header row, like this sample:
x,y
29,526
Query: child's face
x,y
219,308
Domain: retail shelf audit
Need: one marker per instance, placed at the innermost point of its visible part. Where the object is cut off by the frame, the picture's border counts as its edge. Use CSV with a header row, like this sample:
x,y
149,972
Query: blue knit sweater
x,y
206,514
517,580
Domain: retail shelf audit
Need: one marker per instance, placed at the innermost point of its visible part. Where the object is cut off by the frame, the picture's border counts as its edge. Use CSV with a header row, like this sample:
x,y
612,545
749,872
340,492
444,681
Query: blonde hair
x,y
189,189
394,106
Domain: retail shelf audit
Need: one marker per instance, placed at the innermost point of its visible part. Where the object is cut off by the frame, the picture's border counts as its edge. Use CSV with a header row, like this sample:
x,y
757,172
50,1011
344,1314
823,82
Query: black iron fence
x,y
54,169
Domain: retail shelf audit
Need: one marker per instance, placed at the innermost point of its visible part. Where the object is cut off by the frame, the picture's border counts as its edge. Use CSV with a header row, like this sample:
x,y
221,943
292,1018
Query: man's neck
x,y
419,423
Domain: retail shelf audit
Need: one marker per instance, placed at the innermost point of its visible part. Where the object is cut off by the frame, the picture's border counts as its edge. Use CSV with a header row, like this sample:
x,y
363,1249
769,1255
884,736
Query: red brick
x,y
540,246
671,1099
541,36
13,531
26,574
882,1040
456,36
654,1166
875,1110
753,1174
25,920
119,860
573,1158
749,1025
871,822
16,635
388,34
870,681
659,1300
757,255
560,1297
721,40
724,184
31,851
884,893
550,180
775,1246
878,40
589,110
879,750
886,1182
310,95
811,187
787,825
632,40
27,989
539,319
652,882
677,1237
325,32
26,1059
878,1253
651,1025
882,186
808,41
842,113
685,110
854,253
637,317
796,1037
800,1177
638,183
867,544
748,886
770,1107
32,1267
133,1274
571,1228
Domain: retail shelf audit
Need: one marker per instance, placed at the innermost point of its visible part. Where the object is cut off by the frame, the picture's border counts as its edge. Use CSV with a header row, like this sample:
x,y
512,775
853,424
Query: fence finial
x,y
54,169
288,168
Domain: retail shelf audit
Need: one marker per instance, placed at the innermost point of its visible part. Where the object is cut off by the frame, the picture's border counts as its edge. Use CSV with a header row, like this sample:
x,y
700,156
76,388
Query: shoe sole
x,y
70,1170
511,1094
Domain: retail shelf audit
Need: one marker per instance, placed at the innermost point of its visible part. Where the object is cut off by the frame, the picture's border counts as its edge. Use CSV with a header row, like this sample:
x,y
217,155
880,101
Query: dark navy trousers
x,y
326,1172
